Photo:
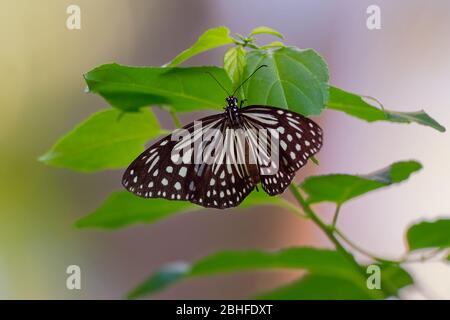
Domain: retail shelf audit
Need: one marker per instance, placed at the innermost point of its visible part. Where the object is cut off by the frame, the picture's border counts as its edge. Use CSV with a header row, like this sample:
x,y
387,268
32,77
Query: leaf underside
x,y
108,139
183,89
320,263
211,39
429,234
355,105
123,208
339,188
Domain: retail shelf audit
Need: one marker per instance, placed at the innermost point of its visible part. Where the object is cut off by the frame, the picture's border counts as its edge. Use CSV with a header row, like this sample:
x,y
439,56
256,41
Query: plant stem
x,y
361,250
425,257
293,208
329,232
325,228
175,119
336,216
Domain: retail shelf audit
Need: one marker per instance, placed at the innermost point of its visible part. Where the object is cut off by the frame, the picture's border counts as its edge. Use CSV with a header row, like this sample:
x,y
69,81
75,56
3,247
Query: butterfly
x,y
217,161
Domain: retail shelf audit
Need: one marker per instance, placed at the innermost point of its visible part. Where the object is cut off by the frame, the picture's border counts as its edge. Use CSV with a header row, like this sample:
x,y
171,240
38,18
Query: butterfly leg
x,y
242,102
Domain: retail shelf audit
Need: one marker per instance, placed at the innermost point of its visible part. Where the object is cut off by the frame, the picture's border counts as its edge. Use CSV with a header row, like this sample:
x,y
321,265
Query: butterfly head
x,y
232,102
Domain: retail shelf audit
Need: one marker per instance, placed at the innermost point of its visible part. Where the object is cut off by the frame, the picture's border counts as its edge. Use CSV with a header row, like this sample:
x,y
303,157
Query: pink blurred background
x,y
405,64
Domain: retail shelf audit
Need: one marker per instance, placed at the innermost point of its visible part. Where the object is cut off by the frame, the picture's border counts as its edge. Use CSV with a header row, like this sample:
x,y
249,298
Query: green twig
x,y
293,208
245,42
363,251
425,257
314,160
336,216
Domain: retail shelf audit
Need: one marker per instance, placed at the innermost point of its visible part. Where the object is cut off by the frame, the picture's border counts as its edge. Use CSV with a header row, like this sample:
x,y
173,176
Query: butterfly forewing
x,y
211,173
159,173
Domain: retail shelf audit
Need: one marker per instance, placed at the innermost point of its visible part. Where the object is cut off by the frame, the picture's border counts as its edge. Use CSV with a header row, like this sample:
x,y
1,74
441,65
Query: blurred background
x,y
405,64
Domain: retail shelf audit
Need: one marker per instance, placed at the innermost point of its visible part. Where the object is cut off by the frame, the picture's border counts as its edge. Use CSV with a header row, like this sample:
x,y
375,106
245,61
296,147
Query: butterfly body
x,y
239,161
232,112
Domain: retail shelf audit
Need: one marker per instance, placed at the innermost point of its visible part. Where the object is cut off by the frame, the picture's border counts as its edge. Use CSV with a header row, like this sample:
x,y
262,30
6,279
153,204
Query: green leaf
x,y
212,38
394,278
266,30
184,89
108,139
319,261
339,188
315,161
355,106
319,287
295,79
429,234
123,208
234,63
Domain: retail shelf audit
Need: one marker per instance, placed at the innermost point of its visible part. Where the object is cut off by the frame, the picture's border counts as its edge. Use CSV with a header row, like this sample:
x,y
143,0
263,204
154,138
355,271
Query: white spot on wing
x,y
183,172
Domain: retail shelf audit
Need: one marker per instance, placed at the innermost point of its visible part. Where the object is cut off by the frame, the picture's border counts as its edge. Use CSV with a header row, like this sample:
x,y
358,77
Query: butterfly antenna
x,y
261,66
212,76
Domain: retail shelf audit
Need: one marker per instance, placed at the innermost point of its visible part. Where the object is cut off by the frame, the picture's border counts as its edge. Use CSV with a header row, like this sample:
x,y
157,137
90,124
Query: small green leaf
x,y
266,30
355,106
429,234
320,287
295,79
108,139
171,273
184,89
419,117
319,261
212,38
234,63
273,44
339,188
123,208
